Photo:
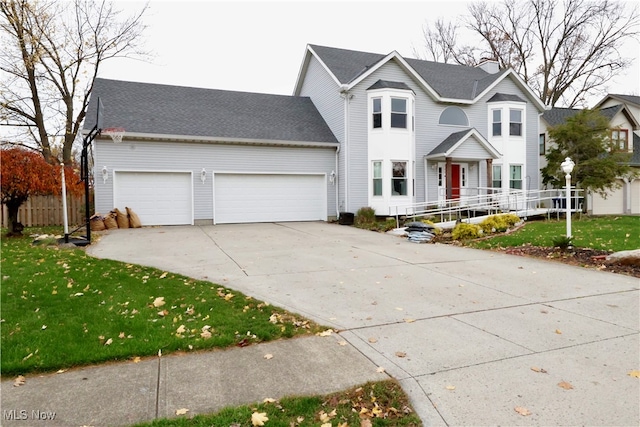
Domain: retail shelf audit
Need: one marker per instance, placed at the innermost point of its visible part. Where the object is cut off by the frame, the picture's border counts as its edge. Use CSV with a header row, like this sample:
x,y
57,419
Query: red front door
x,y
455,181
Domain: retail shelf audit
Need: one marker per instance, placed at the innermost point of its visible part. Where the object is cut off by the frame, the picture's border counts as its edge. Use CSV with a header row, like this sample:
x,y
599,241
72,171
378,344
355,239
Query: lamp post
x,y
567,168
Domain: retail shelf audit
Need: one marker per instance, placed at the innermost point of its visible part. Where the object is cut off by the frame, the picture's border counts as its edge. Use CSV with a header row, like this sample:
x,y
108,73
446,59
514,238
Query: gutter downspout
x,y
337,183
344,93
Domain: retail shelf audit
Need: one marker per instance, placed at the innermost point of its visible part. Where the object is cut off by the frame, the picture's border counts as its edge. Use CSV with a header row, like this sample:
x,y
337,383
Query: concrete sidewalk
x,y
471,324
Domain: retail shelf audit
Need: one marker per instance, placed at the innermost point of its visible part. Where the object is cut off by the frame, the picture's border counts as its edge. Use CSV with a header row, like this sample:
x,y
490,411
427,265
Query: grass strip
x,y
375,404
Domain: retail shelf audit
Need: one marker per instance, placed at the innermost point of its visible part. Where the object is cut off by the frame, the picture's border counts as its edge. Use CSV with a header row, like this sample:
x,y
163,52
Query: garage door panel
x,y
269,198
158,198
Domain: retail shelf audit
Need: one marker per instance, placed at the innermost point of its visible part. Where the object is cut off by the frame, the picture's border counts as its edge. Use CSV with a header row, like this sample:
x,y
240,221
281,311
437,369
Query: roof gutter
x,y
223,140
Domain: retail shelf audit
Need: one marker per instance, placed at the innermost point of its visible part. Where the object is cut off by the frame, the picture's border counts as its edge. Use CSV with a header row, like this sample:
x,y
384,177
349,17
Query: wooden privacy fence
x,y
47,210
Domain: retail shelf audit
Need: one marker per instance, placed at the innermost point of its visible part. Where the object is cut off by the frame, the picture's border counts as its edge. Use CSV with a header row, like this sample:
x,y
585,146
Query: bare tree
x,y
565,51
51,55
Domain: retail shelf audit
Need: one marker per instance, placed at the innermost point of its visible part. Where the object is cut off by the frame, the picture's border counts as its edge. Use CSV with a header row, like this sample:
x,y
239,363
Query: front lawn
x,y
62,308
610,233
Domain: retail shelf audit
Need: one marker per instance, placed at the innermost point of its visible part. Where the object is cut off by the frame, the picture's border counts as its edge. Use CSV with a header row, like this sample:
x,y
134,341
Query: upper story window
x,y
497,122
515,122
377,112
453,116
620,139
399,113
542,144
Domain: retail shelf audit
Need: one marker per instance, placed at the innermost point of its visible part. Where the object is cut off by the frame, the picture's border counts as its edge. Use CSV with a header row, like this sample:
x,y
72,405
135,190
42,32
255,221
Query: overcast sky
x,y
258,46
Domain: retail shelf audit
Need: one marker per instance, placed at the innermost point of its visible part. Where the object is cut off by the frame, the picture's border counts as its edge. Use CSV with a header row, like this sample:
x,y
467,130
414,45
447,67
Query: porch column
x,y
449,178
489,175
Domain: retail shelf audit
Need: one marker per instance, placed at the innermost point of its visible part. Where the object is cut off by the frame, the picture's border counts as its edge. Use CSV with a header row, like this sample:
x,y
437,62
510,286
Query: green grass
x,y
62,308
611,233
383,403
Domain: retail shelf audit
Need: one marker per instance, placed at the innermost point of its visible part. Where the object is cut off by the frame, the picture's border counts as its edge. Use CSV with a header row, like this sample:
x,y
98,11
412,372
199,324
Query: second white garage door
x,y
159,198
269,198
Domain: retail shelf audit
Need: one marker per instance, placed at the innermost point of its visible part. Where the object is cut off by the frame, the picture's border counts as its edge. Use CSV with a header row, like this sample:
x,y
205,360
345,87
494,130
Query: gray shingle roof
x,y
557,116
385,84
448,80
632,99
188,111
502,97
449,142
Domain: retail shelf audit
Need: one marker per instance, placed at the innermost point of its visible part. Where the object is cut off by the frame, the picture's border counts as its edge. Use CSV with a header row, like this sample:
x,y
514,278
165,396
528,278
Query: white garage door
x,y
269,198
159,198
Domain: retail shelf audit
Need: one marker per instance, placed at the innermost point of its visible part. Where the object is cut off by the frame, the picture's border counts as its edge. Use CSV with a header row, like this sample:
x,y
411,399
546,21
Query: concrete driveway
x,y
471,335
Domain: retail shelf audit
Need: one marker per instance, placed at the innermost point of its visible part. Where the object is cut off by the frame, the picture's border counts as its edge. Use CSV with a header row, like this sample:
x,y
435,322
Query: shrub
x,y
499,223
464,231
365,217
562,242
437,231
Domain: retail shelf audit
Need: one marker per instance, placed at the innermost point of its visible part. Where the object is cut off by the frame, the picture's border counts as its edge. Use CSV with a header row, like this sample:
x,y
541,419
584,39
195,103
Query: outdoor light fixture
x,y
203,175
434,166
567,168
332,177
105,174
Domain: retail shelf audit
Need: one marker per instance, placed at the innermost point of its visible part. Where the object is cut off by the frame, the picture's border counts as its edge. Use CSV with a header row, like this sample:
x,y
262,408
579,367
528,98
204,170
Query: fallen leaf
x,y
181,329
326,333
20,380
158,302
163,313
522,411
228,296
373,340
380,370
61,371
268,356
136,359
401,354
259,418
399,308
342,342
634,373
269,400
122,335
205,334
366,422
163,275
536,369
44,327
343,425
409,320
565,385
108,342
450,387
326,424
558,331
181,411
300,419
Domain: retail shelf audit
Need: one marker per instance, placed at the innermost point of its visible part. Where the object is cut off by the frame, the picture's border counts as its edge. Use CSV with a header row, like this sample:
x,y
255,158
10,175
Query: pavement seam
x,y
158,387
535,353
222,250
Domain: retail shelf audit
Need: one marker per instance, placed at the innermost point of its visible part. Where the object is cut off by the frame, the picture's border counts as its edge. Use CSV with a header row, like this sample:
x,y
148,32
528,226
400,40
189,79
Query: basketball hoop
x,y
116,134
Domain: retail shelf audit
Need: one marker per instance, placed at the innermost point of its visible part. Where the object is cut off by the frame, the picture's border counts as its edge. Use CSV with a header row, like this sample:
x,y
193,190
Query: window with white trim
x,y
515,122
496,122
453,116
542,144
376,109
515,177
399,113
377,178
399,178
497,176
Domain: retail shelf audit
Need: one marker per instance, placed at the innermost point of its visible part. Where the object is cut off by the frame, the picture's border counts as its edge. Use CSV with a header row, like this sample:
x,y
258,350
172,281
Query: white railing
x,y
491,201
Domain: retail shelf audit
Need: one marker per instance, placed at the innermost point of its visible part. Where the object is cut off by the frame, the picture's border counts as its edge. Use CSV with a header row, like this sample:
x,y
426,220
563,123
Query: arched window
x,y
453,116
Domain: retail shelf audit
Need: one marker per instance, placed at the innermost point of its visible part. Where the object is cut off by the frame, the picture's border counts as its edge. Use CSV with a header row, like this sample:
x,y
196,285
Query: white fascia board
x,y
222,140
310,51
519,82
302,71
472,132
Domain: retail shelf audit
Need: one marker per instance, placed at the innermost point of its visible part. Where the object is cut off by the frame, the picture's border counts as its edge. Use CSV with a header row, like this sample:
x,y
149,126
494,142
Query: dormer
x,y
489,65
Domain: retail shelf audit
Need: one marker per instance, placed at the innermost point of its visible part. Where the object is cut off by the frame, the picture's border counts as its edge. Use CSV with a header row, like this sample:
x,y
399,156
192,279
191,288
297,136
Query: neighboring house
x,y
624,123
361,129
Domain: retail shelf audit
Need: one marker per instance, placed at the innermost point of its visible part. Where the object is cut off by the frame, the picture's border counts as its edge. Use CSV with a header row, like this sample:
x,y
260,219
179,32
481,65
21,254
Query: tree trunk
x,y
14,227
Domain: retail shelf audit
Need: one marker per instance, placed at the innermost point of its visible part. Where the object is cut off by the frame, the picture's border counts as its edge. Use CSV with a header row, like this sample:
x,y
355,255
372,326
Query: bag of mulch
x,y
110,221
121,218
134,219
97,223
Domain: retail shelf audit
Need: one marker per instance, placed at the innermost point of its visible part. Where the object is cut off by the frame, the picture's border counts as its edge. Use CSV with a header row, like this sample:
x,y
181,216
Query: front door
x,y
455,181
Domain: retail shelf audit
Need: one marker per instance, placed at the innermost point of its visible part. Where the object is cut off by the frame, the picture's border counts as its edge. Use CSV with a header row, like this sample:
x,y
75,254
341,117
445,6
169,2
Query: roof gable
x,y
444,82
627,99
454,141
558,116
157,109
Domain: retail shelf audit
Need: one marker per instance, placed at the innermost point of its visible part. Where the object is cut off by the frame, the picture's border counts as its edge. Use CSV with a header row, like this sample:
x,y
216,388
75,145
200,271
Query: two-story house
x,y
361,129
623,113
